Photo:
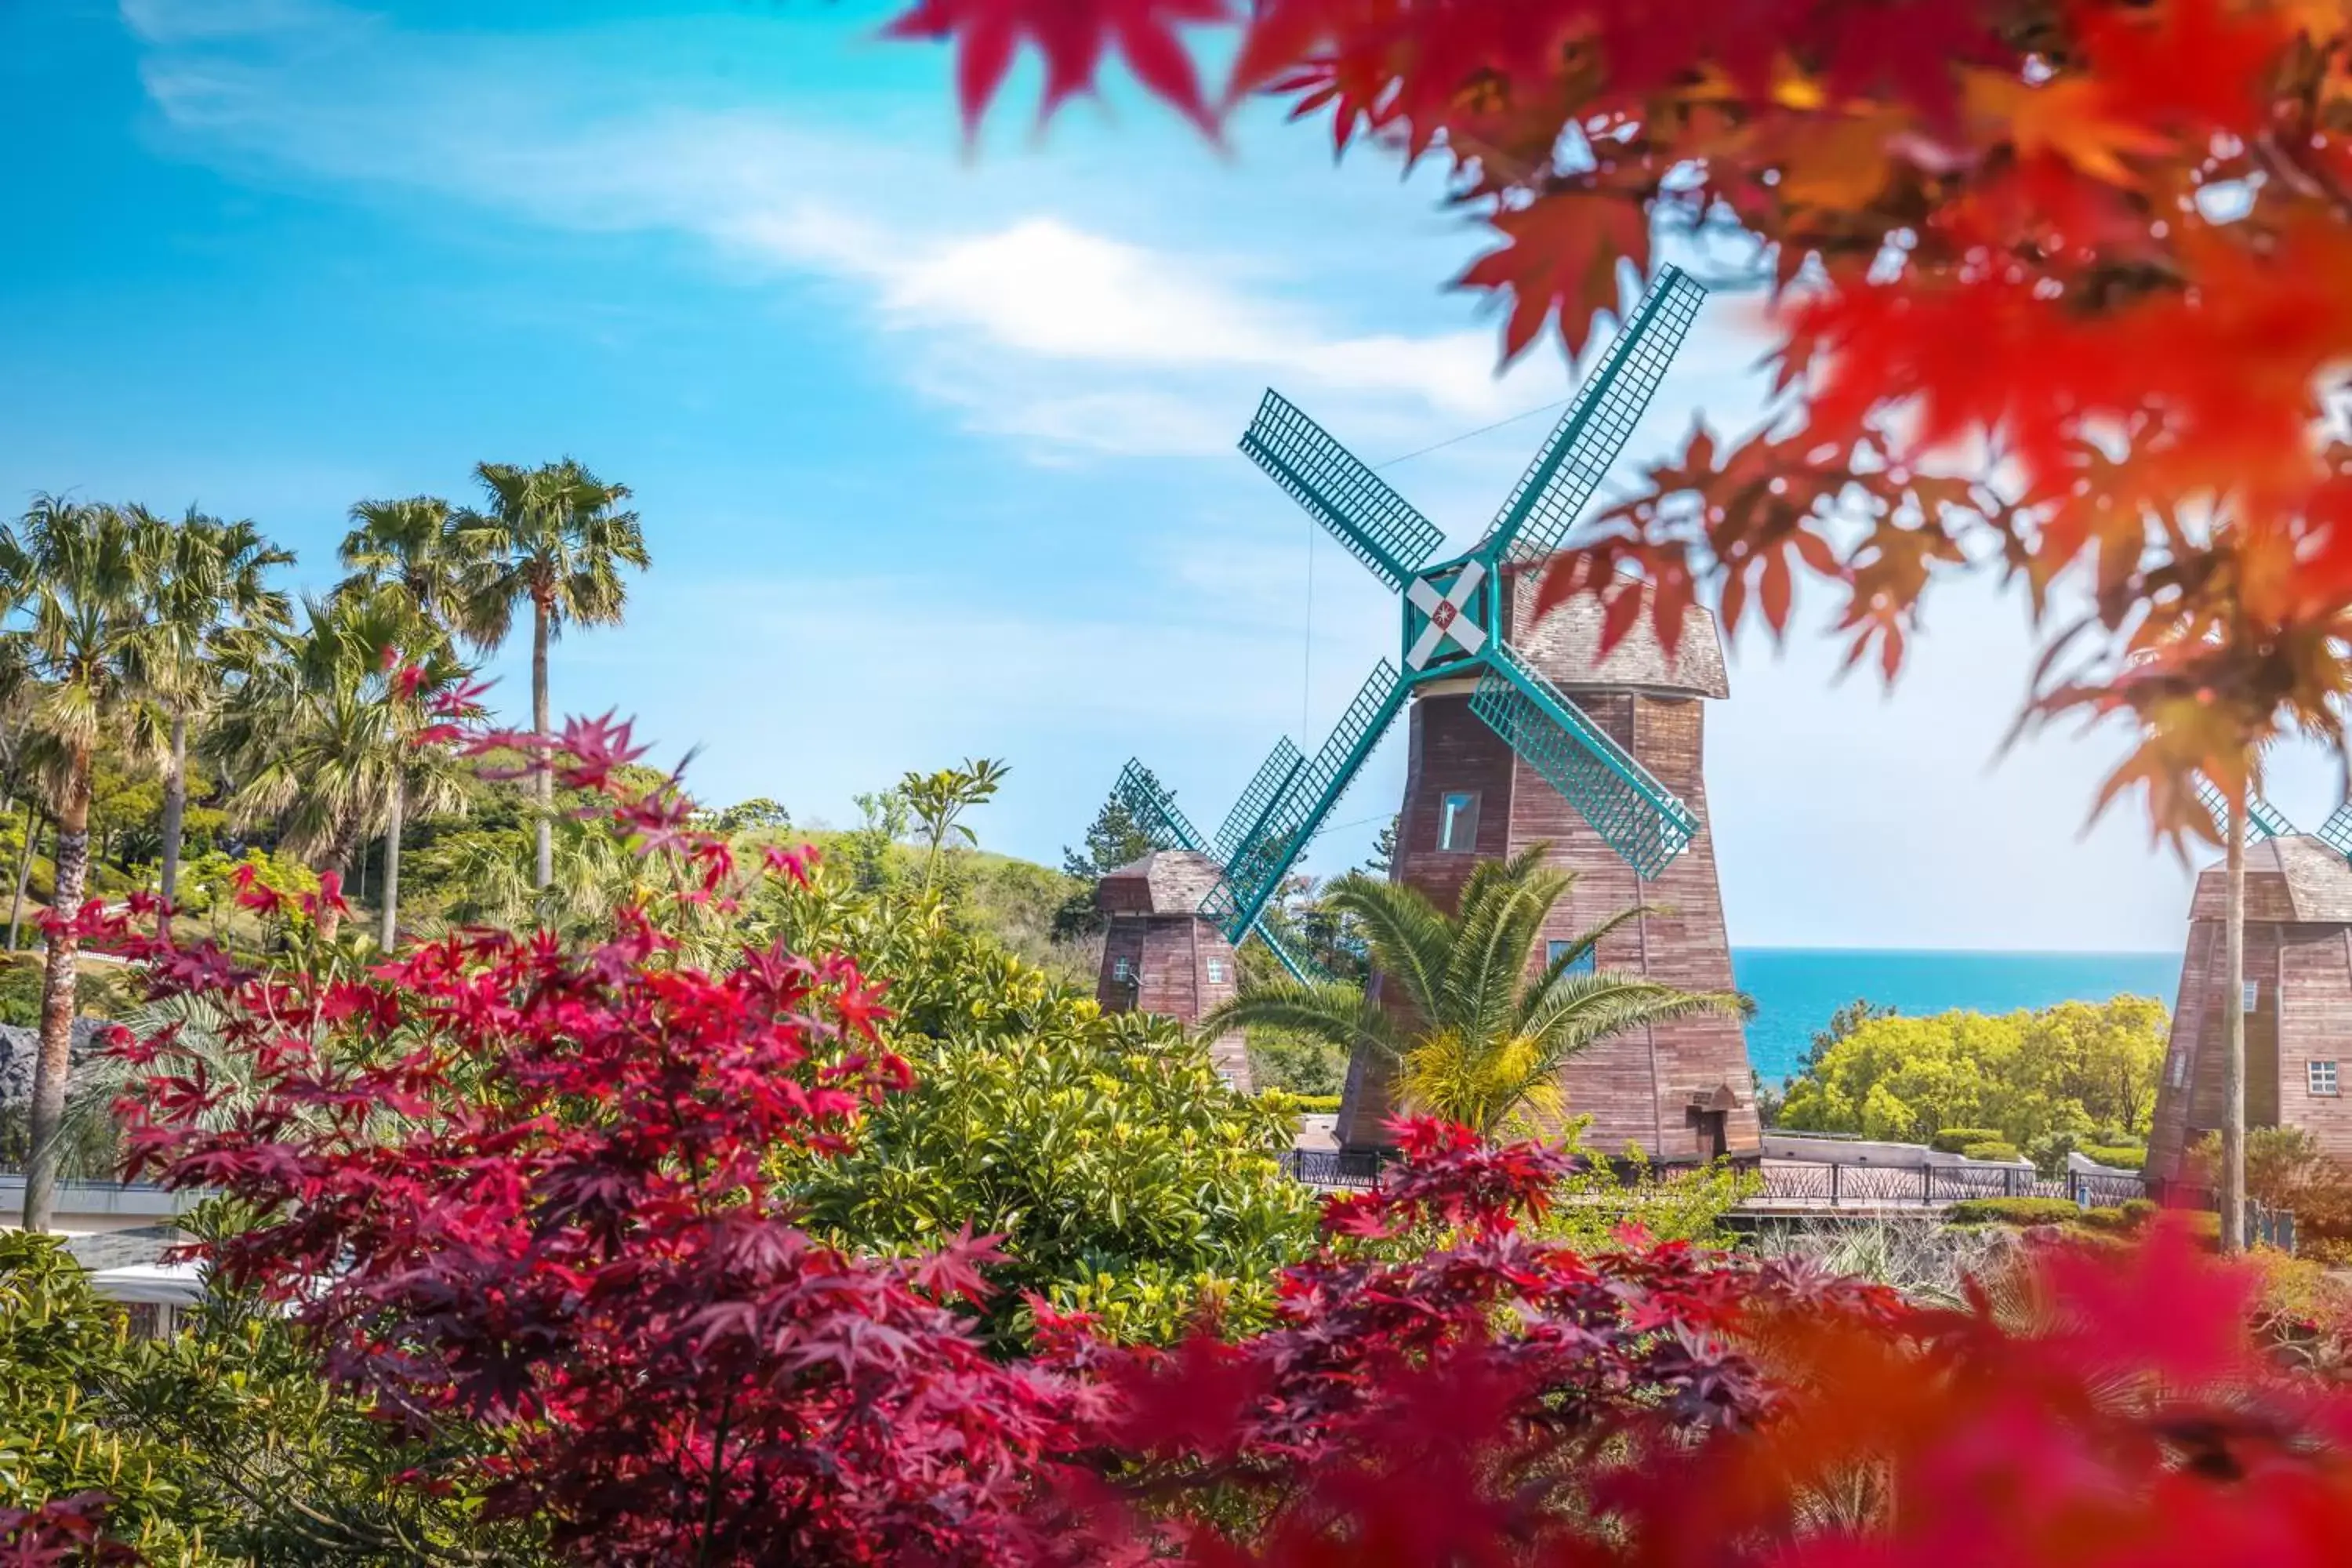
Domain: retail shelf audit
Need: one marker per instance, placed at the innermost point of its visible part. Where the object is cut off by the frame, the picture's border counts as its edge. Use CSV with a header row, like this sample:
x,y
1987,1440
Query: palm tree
x,y
554,537
1485,1042
324,732
211,594
79,577
418,546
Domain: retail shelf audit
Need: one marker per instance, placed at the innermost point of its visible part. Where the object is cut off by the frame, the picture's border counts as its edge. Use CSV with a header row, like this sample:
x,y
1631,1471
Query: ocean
x,y
1797,989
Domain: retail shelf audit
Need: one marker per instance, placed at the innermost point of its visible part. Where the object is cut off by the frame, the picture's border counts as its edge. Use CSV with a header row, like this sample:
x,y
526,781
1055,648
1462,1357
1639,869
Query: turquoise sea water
x,y
1797,989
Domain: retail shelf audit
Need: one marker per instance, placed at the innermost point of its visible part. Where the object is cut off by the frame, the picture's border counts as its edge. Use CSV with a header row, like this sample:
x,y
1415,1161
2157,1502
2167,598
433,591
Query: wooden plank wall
x,y
1637,1086
1169,956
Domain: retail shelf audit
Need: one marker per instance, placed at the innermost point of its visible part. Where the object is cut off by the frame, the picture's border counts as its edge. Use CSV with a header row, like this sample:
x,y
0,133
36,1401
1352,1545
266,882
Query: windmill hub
x,y
1448,614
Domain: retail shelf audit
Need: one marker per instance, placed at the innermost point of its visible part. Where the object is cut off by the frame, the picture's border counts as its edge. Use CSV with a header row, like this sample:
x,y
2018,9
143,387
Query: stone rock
x,y
20,1048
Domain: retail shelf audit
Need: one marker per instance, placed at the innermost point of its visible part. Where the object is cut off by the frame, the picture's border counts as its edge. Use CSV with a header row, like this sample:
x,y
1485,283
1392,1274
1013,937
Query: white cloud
x,y
1032,326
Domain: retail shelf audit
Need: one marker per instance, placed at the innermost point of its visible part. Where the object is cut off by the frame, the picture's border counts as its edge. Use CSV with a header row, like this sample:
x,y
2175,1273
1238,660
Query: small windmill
x,y
1164,825
2298,996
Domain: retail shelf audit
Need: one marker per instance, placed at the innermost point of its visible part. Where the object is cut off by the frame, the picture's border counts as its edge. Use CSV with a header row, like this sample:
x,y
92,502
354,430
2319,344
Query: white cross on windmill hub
x,y
1448,618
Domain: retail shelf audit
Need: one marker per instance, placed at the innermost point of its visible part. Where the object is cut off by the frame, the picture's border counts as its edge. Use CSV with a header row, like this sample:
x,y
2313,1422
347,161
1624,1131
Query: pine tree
x,y
1114,839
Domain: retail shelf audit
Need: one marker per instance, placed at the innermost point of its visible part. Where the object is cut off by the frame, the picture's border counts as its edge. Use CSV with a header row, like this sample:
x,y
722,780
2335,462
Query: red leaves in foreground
x,y
519,1192
60,1532
516,1198
1073,39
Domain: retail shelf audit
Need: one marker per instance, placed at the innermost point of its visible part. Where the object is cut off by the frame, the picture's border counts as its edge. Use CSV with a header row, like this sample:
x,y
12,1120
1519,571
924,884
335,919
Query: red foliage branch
x,y
1439,1370
63,1532
519,1189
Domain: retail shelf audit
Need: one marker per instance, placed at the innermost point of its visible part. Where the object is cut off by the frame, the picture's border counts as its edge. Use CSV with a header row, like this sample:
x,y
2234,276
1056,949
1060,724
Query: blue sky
x,y
934,450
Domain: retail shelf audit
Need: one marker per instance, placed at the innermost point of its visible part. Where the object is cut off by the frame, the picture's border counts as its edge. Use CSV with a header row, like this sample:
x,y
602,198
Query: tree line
x,y
156,644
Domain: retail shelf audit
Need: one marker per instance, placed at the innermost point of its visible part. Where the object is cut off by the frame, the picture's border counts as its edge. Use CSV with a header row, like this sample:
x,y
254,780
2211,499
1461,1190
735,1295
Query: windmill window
x,y
2320,1077
2253,998
2179,1069
1216,971
1583,965
1457,823
1121,969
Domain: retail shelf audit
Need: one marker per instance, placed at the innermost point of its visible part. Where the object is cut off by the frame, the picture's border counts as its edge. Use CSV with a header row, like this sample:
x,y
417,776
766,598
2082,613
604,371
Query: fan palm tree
x,y
1485,1042
552,537
82,649
418,546
211,595
323,731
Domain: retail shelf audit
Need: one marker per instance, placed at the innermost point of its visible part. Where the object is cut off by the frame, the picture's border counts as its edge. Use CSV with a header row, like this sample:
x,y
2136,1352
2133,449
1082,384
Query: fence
x,y
1790,1183
1838,1185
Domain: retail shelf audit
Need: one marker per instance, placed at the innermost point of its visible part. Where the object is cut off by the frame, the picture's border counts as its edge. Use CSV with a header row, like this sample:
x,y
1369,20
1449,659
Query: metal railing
x,y
1839,1184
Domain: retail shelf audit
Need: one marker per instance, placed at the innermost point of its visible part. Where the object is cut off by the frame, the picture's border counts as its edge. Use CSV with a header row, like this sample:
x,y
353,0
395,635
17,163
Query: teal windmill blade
x,y
1164,825
1598,424
1377,526
1243,823
1154,809
2262,819
1298,814
2336,831
1634,814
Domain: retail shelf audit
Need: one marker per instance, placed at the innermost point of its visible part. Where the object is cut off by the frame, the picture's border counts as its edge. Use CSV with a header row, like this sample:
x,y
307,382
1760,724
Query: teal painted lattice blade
x,y
1154,810
1379,526
1597,423
2262,819
1156,813
1297,968
2336,831
1265,788
1633,813
1252,878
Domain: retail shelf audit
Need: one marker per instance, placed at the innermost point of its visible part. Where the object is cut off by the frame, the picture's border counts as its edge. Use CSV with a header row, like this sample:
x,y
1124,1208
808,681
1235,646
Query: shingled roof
x,y
1565,646
1164,882
2295,880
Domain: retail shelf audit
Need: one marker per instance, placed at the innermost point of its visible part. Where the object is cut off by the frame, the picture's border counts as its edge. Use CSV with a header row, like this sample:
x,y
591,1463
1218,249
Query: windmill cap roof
x,y
2295,880
1565,646
1164,882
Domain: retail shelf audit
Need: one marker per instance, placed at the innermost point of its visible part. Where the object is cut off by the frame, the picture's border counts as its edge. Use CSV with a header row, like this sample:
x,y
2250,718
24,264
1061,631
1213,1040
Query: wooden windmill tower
x,y
2297,995
1161,955
1503,755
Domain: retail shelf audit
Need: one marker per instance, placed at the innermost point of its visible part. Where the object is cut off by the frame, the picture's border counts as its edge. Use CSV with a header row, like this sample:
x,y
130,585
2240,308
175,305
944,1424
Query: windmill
x,y
2297,1000
1494,723
1161,952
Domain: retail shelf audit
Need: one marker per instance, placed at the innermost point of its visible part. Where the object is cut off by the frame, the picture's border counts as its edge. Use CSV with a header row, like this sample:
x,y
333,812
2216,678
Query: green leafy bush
x,y
2014,1211
1126,1179
1991,1149
1311,1104
1955,1139
1299,1063
2123,1156
2078,1067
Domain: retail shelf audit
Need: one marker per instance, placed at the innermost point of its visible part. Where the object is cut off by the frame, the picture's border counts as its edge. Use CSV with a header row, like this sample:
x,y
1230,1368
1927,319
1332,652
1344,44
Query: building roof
x,y
1164,882
2295,880
1565,646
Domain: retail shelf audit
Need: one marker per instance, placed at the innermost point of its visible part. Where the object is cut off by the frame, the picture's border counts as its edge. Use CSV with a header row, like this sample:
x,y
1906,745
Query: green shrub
x,y
2013,1211
1955,1139
2140,1210
2123,1156
1311,1104
1990,1148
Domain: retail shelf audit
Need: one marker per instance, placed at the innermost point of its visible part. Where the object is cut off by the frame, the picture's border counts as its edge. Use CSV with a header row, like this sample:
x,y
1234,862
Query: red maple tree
x,y
2054,288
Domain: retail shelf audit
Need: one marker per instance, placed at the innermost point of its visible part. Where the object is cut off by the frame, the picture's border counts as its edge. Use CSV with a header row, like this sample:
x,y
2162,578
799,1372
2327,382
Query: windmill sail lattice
x,y
1165,826
1599,422
1457,622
